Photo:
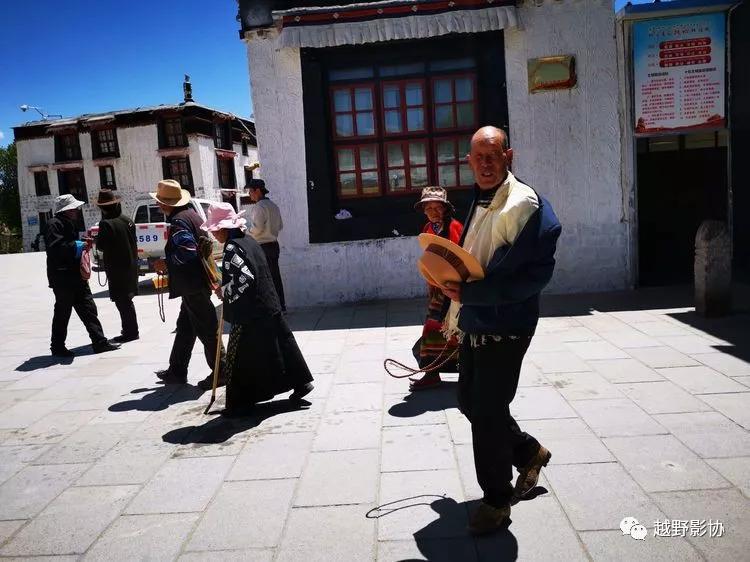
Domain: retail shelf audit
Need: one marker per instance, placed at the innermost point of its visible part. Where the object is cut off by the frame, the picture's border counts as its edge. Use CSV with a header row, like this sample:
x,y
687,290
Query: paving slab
x,y
243,515
87,444
129,462
32,488
701,380
725,363
71,523
339,478
583,386
348,430
660,463
616,417
708,434
663,397
143,537
558,362
599,496
427,549
735,406
736,470
625,370
247,555
661,357
417,447
614,546
181,485
536,403
24,414
726,506
430,503
355,397
272,455
328,525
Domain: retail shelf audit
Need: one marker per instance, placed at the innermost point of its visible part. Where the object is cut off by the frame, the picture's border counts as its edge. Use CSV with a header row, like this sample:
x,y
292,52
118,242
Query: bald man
x,y
513,233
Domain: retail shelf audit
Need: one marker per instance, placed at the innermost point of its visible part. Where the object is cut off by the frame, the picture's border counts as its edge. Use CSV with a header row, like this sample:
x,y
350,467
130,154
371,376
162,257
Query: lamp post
x,y
44,115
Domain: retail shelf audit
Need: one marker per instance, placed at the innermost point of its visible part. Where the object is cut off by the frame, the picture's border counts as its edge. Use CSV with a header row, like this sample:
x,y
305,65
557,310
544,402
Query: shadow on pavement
x,y
433,400
44,361
220,429
159,398
451,522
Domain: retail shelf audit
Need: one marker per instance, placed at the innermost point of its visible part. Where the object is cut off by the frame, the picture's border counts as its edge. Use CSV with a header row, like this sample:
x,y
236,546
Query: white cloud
x,y
2,135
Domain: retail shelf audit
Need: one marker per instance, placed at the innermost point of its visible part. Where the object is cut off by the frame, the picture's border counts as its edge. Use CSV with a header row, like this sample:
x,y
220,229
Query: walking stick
x,y
217,361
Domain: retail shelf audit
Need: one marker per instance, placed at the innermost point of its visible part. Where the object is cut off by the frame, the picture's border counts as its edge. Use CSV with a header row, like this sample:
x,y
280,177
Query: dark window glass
x,y
226,173
173,133
107,177
179,169
106,142
72,181
141,215
157,215
244,147
41,183
220,136
68,147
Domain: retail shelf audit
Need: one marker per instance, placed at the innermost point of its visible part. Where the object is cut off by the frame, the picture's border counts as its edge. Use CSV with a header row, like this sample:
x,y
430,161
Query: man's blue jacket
x,y
506,301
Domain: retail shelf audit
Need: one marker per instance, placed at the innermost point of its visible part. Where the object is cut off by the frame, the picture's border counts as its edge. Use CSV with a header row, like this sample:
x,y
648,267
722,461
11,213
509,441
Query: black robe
x,y
263,358
63,263
116,240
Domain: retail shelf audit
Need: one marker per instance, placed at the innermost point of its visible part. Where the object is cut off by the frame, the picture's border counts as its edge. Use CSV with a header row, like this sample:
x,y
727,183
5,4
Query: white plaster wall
x,y
314,273
567,144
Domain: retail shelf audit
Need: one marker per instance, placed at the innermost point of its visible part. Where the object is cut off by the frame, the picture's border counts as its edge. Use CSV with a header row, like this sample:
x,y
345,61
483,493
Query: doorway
x,y
682,181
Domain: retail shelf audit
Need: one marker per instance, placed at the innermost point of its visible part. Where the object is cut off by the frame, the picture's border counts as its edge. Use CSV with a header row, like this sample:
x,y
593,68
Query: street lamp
x,y
44,115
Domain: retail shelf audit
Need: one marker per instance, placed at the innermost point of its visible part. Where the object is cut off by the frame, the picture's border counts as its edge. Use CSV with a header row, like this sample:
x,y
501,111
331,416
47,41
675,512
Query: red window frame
x,y
404,107
358,170
407,166
352,88
454,103
456,163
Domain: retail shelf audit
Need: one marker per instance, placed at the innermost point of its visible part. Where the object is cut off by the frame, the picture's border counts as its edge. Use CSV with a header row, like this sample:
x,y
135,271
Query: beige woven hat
x,y
444,261
170,193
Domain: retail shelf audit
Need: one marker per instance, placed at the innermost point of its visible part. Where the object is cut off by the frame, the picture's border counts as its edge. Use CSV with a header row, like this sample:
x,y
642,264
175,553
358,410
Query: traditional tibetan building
x,y
360,105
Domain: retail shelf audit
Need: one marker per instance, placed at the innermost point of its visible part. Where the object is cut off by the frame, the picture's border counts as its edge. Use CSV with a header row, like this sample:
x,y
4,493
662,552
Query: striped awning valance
x,y
390,20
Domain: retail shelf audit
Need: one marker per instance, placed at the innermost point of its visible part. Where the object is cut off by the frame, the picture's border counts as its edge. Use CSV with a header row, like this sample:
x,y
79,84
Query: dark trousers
x,y
272,251
197,319
78,298
128,318
487,383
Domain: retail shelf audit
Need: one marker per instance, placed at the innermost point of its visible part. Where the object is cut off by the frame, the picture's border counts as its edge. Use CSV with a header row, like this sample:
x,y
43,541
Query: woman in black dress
x,y
263,358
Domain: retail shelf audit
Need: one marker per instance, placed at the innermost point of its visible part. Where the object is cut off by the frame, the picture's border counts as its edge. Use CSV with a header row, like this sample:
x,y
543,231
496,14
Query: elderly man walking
x,y
513,233
265,225
72,292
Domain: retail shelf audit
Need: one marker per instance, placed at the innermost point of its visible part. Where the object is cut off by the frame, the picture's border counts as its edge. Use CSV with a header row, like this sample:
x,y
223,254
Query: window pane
x,y
348,184
393,122
344,126
444,116
466,175
370,183
368,158
397,179
391,96
351,73
418,177
365,124
415,119
346,159
363,98
395,155
414,94
157,215
141,214
401,69
464,147
465,114
443,92
446,151
452,64
464,89
342,100
447,176
417,153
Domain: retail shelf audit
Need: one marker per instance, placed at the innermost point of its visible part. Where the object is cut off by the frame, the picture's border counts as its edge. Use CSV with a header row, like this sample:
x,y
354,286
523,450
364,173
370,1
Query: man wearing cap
x,y
116,241
187,280
72,292
265,225
512,232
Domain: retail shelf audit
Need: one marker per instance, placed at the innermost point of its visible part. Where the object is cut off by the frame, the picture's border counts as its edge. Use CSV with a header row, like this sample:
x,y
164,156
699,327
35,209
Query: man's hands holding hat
x,y
452,290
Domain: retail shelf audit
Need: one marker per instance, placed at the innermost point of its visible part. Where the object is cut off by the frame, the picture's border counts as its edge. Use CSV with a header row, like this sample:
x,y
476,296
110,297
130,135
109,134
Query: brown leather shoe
x,y
488,519
528,476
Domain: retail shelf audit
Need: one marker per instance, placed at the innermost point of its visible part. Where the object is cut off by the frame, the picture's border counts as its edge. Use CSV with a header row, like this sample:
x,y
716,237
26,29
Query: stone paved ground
x,y
645,407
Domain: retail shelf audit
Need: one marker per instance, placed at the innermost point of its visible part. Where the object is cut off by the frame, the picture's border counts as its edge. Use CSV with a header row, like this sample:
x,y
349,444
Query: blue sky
x,y
74,56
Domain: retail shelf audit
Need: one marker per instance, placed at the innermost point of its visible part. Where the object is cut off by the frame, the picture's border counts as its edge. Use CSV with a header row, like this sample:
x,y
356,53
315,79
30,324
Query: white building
x,y
341,90
206,150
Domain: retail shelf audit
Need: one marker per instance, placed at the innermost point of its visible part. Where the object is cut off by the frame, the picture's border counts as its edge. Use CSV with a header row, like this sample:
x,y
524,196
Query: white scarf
x,y
481,242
